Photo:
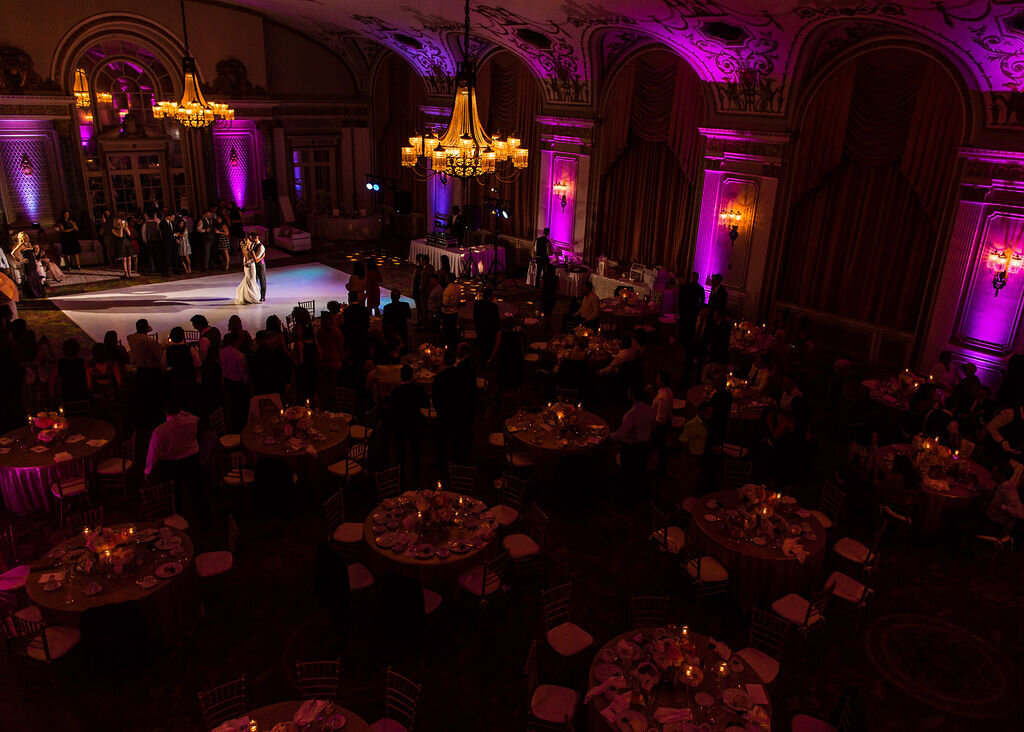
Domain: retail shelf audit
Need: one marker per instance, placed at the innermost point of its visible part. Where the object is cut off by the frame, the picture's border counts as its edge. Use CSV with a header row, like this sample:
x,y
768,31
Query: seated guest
x,y
396,318
695,431
943,373
118,354
590,307
235,369
939,421
487,319
626,353
243,341
635,435
180,359
270,367
760,374
1005,507
662,406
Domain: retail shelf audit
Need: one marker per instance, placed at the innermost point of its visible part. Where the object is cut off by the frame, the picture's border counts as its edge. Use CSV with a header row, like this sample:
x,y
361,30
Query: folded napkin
x,y
47,576
74,438
668,715
61,457
234,725
614,682
311,450
97,443
40,448
5,440
720,648
758,716
757,694
618,704
793,548
4,450
309,711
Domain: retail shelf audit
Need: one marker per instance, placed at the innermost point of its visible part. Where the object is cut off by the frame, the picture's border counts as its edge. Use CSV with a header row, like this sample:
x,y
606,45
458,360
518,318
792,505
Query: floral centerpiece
x,y
561,415
49,426
928,454
111,546
298,422
431,357
434,508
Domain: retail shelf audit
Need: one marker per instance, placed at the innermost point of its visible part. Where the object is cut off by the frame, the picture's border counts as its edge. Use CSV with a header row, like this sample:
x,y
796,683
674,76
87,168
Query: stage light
x,y
376,186
504,214
369,186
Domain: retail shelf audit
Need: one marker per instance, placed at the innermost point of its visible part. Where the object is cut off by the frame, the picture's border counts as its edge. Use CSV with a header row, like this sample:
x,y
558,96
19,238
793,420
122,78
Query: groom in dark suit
x,y
259,253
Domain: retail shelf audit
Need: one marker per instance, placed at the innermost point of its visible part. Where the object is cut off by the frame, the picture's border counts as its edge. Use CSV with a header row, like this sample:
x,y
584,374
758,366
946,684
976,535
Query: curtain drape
x,y
397,97
872,172
649,157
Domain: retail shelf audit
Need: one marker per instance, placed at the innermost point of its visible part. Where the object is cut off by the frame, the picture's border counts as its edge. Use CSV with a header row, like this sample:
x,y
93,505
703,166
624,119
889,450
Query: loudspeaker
x,y
269,189
403,202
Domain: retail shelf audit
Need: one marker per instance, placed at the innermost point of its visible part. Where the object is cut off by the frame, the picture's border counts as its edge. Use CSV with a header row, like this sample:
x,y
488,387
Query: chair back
x,y
462,478
370,417
737,473
819,601
309,305
93,519
401,698
334,511
154,335
318,679
557,602
128,451
768,632
832,498
158,501
191,336
264,405
532,670
357,453
217,421
224,702
78,408
648,611
345,400
566,394
232,534
30,635
539,523
513,490
389,483
67,473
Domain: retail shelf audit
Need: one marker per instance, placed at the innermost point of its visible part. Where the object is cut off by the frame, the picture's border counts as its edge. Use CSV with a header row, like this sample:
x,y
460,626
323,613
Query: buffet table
x,y
343,227
465,261
570,283
604,288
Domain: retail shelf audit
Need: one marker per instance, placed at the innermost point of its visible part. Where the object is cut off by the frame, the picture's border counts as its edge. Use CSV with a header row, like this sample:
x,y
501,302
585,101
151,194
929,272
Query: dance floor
x,y
172,303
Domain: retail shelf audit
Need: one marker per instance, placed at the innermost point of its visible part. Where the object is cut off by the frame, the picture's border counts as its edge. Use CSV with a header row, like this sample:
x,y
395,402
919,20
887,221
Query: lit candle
x,y
85,531
689,671
685,630
62,411
252,725
723,669
307,404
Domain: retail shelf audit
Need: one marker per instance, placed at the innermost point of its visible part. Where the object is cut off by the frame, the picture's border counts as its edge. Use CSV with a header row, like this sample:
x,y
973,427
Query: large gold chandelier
x,y
464,149
193,110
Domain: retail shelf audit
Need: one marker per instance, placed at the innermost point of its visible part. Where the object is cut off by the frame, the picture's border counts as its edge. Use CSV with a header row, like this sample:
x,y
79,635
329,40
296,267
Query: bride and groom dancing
x,y
253,288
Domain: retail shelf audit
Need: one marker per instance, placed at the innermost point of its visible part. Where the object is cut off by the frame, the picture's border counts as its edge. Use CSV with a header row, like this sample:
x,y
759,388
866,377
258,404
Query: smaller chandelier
x,y
26,166
730,219
1003,263
233,158
81,89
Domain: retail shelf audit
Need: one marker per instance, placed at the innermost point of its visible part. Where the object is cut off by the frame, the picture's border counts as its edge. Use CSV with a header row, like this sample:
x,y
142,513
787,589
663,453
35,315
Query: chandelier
x,y
81,89
464,149
193,110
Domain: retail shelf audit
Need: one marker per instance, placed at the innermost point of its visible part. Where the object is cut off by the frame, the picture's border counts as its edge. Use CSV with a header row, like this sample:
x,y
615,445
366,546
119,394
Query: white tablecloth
x,y
339,227
570,284
465,261
604,287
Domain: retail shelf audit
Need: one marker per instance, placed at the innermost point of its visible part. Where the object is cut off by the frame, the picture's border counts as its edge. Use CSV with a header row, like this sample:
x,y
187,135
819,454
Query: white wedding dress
x,y
249,290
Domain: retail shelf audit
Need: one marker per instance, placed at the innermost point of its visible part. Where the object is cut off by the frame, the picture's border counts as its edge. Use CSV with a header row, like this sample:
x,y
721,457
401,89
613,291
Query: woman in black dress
x,y
32,282
69,244
508,353
307,353
123,250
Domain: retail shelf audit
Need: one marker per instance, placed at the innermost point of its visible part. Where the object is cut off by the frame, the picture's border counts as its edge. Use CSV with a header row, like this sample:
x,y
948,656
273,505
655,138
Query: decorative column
x,y
972,318
741,177
565,150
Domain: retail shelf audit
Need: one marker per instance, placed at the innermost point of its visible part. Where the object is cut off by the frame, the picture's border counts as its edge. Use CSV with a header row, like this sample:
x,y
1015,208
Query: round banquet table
x,y
272,714
26,474
388,377
739,676
628,314
599,348
170,607
260,429
879,395
537,435
758,575
746,403
938,505
438,573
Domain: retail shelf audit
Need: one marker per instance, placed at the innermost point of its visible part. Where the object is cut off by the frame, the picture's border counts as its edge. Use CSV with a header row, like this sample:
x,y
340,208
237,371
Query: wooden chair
x,y
512,491
211,564
228,441
15,575
345,401
69,487
764,648
31,639
488,582
737,473
318,679
158,504
666,537
224,702
832,498
389,483
851,596
803,614
708,576
564,637
113,472
362,432
401,697
844,714
351,466
525,549
309,305
551,707
861,556
515,460
191,336
648,611
238,476
80,408
91,519
462,479
347,536
988,548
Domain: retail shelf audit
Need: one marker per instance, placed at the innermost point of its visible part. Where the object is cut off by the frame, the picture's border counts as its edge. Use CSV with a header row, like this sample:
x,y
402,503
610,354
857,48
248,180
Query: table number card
x,y
39,448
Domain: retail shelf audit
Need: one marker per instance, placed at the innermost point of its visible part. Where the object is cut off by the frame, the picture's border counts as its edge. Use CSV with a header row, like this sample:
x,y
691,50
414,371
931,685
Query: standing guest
x,y
446,394
33,273
174,452
718,298
184,248
270,366
235,370
966,389
151,239
181,361
548,291
305,354
332,347
71,370
450,313
487,319
458,225
209,358
259,256
691,300
943,373
444,275
107,235
634,434
116,351
435,295
122,242
147,356
70,247
662,406
103,377
168,245
244,342
509,348
590,307
396,317
204,239
372,286
356,329
357,283
417,288
542,251
223,234
407,422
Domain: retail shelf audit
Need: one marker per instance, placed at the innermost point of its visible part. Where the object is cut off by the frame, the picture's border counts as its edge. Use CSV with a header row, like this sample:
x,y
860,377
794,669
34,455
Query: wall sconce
x,y
730,219
26,166
104,98
1003,263
233,158
561,188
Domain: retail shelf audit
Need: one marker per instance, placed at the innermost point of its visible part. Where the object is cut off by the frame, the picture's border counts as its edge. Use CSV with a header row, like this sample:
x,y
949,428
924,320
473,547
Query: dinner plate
x,y
632,721
52,586
608,655
93,588
399,546
443,552
147,582
335,721
169,542
703,699
168,570
737,700
759,540
423,551
710,517
380,529
458,546
387,539
605,671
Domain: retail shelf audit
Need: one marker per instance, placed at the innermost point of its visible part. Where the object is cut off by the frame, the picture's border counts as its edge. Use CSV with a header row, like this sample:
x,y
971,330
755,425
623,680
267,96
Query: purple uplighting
x,y
236,164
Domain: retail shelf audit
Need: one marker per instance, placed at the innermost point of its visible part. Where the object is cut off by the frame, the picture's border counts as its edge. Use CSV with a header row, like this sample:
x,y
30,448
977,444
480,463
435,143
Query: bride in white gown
x,y
249,290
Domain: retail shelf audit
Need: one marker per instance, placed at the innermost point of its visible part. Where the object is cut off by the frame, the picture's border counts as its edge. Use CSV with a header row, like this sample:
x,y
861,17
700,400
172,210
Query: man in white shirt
x,y
760,374
626,353
1005,508
662,407
943,374
635,435
590,306
1006,429
174,449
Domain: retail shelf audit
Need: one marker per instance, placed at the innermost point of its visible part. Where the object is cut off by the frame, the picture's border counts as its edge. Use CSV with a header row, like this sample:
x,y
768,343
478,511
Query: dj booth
x,y
465,261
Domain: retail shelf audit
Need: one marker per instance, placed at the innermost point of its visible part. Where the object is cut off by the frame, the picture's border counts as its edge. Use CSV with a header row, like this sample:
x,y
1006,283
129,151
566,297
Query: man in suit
x,y
259,253
691,300
718,299
542,253
447,394
487,320
356,328
396,316
458,225
167,246
204,228
718,343
406,421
